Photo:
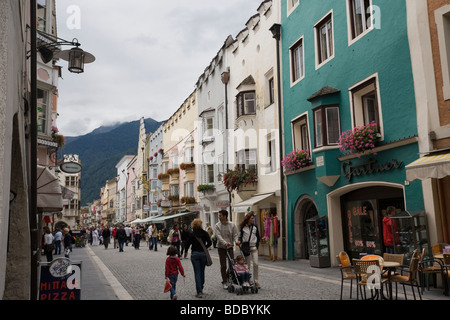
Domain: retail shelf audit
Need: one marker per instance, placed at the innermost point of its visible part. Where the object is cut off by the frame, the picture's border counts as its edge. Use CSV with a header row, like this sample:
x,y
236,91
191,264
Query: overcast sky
x,y
149,55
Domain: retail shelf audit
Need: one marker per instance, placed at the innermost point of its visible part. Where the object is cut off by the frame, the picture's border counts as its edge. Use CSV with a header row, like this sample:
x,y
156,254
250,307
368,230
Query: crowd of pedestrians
x,y
180,241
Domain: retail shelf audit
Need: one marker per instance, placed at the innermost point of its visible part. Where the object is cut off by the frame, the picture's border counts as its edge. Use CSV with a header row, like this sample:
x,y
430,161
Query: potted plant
x,y
235,179
173,171
205,188
187,200
186,166
163,176
360,139
297,159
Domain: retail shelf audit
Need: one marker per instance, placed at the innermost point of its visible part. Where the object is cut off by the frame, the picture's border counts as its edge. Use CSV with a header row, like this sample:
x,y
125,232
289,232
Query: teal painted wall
x,y
384,51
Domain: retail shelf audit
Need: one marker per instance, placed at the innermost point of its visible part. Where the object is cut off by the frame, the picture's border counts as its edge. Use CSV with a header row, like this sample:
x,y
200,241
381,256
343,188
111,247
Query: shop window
x,y
326,126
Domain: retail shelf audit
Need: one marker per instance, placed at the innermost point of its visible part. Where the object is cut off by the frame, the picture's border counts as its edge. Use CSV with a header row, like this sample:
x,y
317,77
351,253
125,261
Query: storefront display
x,y
319,255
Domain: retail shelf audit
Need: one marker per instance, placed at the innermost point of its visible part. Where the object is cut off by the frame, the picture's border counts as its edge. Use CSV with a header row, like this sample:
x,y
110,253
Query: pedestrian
x,y
128,232
198,254
121,237
58,238
137,236
94,235
48,243
210,231
249,233
154,238
106,234
184,236
227,234
242,271
173,266
114,235
148,236
67,242
174,238
388,237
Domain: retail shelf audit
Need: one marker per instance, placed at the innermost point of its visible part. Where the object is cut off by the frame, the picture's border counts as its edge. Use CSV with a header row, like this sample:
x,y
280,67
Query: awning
x,y
136,221
49,195
163,218
246,204
431,166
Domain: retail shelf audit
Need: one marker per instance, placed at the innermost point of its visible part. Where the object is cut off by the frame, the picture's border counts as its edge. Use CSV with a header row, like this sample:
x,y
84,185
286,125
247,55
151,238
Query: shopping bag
x,y
167,286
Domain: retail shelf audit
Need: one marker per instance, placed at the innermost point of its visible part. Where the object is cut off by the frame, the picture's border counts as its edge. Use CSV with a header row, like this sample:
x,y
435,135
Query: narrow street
x,y
139,275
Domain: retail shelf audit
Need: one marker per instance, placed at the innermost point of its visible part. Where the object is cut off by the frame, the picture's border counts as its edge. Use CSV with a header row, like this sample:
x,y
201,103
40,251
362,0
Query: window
x,y
174,190
326,126
360,16
189,154
324,38
246,103
297,61
154,184
246,159
365,103
189,189
442,18
300,133
42,107
271,91
271,154
291,4
210,173
208,126
42,15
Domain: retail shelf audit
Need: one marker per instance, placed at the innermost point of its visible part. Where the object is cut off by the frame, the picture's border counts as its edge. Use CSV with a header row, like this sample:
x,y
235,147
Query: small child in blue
x,y
173,266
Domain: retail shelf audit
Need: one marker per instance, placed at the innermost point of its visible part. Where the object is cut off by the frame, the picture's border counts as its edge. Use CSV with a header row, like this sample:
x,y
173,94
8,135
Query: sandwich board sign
x,y
60,279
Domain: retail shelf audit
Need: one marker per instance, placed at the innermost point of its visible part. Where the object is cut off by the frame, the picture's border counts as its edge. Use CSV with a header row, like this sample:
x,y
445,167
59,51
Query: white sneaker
x,y
225,286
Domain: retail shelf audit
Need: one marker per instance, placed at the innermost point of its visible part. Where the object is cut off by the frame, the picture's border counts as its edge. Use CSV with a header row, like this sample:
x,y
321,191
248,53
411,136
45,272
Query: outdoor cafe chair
x,y
428,266
363,275
410,278
346,268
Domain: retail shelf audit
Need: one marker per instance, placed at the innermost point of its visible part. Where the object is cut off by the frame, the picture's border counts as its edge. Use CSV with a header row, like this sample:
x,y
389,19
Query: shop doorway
x,y
362,214
305,209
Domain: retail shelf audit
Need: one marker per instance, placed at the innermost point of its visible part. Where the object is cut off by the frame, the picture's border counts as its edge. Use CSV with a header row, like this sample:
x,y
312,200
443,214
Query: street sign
x,y
60,280
70,167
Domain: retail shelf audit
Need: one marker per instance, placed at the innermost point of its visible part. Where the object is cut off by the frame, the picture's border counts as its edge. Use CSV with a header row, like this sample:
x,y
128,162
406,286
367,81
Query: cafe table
x,y
390,266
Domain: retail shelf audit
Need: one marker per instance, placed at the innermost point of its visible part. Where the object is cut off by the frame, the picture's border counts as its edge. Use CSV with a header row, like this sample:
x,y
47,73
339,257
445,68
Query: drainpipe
x,y
276,32
32,209
225,77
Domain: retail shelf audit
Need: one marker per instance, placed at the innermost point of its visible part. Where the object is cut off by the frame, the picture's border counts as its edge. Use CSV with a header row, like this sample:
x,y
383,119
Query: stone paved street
x,y
139,275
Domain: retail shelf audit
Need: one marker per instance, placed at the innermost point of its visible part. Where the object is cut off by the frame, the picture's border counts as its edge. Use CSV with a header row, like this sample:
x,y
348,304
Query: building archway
x,y
304,210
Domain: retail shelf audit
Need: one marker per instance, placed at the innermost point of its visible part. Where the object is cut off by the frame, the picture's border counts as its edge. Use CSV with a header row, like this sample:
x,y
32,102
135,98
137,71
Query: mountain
x,y
100,150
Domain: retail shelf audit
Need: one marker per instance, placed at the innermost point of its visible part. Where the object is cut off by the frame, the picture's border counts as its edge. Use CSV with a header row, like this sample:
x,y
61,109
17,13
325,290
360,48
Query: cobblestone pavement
x,y
139,275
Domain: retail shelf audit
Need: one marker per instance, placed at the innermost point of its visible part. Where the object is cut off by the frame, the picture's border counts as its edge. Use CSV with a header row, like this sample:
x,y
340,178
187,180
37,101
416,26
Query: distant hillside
x,y
101,150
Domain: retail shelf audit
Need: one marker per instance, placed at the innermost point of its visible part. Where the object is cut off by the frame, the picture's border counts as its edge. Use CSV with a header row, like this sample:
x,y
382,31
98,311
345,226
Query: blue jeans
x,y
198,260
173,281
155,243
121,243
58,247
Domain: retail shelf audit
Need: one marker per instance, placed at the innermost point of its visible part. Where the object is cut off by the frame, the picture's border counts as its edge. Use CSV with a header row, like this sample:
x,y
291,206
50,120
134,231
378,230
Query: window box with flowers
x,y
187,166
174,198
187,200
161,151
163,176
359,140
58,138
173,171
206,188
238,178
297,160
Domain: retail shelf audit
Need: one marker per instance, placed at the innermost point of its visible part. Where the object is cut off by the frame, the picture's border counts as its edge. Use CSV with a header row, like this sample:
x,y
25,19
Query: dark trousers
x,y
223,262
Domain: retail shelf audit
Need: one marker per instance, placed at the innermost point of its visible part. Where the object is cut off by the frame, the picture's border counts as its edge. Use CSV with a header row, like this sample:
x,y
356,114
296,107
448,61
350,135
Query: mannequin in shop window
x,y
272,233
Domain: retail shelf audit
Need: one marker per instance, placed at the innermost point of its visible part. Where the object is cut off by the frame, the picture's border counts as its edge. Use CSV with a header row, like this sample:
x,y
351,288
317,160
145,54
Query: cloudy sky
x,y
149,55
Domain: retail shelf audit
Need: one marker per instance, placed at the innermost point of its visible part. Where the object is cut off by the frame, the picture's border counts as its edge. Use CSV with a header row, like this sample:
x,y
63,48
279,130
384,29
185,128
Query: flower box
x,y
296,159
237,179
360,139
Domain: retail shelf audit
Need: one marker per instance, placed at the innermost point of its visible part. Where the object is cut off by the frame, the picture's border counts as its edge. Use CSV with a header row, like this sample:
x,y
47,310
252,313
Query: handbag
x,y
245,246
208,256
167,286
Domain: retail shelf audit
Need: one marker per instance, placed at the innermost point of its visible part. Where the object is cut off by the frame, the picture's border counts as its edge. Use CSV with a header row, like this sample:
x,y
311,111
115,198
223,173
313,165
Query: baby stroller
x,y
235,284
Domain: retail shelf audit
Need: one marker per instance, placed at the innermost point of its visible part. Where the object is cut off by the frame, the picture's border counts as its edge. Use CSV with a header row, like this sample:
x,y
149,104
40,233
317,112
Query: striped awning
x,y
431,166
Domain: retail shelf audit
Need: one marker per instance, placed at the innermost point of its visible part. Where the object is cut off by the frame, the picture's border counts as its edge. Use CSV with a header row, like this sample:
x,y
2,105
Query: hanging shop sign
x,y
70,167
350,170
60,280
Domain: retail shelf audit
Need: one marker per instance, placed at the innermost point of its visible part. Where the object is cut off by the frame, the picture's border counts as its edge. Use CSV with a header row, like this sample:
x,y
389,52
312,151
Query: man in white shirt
x,y
227,234
128,232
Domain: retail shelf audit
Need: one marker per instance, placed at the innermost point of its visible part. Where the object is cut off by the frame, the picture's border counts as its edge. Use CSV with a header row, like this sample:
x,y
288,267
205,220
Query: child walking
x,y
173,266
242,271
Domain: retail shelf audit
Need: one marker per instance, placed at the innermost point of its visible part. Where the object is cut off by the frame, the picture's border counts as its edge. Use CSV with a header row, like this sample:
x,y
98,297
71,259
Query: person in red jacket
x,y
387,230
173,266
